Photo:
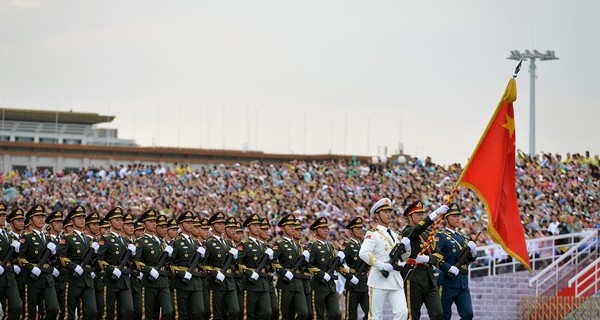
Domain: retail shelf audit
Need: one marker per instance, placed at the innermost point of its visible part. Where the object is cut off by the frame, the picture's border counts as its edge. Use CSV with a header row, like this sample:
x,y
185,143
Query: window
x,y
4,138
48,140
24,139
72,141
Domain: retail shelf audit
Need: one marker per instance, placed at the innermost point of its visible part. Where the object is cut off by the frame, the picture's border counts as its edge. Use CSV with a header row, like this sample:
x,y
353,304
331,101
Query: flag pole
x,y
455,189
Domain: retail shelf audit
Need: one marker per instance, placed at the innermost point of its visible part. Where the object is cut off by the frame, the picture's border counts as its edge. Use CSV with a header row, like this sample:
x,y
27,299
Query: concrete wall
x,y
493,297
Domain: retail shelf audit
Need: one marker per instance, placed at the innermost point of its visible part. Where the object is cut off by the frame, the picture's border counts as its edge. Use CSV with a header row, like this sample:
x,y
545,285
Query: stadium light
x,y
516,55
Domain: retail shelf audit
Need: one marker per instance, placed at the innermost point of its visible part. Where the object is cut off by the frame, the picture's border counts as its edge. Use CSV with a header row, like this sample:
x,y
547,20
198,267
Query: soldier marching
x,y
196,267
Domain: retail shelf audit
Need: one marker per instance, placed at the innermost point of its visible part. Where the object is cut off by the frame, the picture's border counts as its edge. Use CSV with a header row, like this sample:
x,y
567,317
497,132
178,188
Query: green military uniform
x,y
99,279
264,225
9,293
203,224
237,276
151,259
188,293
113,256
136,276
324,297
287,254
39,281
60,283
303,273
16,214
256,299
223,301
355,293
419,280
79,286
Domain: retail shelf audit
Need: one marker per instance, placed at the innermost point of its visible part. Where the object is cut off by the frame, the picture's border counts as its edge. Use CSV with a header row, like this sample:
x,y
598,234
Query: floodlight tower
x,y
516,55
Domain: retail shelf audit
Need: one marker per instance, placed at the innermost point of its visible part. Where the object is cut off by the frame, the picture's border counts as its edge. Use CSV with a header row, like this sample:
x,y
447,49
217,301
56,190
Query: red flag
x,y
490,173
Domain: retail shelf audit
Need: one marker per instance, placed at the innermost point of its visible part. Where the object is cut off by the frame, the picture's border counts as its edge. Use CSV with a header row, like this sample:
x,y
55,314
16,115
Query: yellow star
x,y
509,125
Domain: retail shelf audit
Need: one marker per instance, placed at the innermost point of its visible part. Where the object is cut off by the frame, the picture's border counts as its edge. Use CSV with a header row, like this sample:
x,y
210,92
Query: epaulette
x,y
373,229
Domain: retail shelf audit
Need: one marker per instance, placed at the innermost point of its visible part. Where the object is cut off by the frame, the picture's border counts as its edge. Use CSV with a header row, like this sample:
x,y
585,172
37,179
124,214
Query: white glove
x,y
254,276
472,246
187,276
117,272
387,267
93,275
55,273
234,252
17,269
220,276
289,275
354,280
36,271
95,246
406,242
169,250
131,248
326,276
154,273
269,252
201,251
17,245
421,258
52,247
306,255
453,270
1,270
441,210
140,276
342,255
78,270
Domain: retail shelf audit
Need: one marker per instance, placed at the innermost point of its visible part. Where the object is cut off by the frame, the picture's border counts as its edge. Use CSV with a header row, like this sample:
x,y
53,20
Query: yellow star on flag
x,y
509,125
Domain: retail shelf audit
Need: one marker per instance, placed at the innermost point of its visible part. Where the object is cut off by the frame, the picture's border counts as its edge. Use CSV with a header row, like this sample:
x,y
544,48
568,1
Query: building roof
x,y
51,116
161,154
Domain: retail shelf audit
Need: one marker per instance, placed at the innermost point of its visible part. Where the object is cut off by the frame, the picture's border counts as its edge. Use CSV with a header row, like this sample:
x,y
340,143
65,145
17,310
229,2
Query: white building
x,y
58,127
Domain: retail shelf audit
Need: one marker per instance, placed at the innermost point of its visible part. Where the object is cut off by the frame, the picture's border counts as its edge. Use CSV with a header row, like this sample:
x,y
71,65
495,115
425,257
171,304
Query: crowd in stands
x,y
556,194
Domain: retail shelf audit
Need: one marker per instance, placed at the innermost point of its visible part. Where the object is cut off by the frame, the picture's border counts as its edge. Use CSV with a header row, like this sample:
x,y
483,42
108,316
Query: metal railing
x,y
542,253
583,284
558,307
570,261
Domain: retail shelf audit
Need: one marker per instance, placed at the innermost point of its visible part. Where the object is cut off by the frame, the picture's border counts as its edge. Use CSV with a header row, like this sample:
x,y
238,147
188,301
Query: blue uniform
x,y
455,290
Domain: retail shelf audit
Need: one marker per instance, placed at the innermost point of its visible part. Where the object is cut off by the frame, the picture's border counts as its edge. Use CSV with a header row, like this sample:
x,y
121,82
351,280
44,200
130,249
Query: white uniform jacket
x,y
375,251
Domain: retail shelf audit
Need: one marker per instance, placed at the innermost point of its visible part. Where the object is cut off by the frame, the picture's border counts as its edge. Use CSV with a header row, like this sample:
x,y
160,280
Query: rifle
x,y
395,255
225,266
86,260
193,264
44,256
361,268
331,267
124,259
160,262
261,264
297,264
463,256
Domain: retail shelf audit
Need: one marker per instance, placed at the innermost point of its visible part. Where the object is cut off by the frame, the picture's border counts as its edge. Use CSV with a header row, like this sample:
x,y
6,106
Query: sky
x,y
308,77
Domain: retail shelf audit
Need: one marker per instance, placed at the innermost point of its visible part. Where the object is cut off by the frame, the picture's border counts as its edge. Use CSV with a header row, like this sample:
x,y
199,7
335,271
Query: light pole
x,y
516,55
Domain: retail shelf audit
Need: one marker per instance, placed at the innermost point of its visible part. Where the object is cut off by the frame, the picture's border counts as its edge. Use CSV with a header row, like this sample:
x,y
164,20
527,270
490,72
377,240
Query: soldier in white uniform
x,y
375,251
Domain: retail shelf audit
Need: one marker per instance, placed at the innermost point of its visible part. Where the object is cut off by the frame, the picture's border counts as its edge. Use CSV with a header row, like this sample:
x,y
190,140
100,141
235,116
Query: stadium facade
x,y
68,141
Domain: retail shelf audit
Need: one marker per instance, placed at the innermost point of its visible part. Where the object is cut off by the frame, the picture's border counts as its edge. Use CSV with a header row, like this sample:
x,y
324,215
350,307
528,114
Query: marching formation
x,y
74,264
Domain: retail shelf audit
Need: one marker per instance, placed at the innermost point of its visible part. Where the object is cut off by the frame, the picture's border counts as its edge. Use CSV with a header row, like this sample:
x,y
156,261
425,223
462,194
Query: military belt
x,y
185,269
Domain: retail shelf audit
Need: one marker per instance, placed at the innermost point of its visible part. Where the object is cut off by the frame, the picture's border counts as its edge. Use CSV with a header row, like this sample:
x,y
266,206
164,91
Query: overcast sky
x,y
346,77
